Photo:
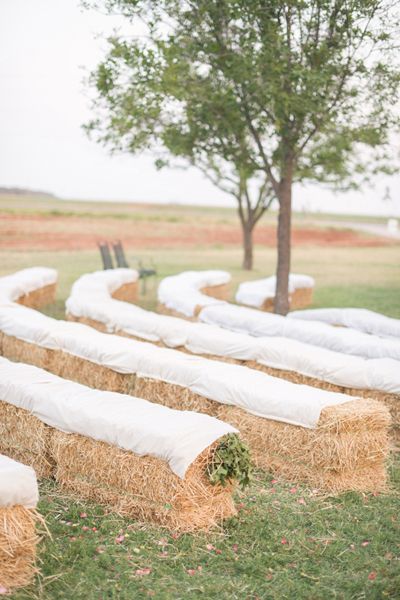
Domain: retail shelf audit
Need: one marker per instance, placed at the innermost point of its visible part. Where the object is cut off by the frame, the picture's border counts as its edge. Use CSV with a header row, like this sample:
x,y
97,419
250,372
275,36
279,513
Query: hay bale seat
x,y
377,379
260,293
263,324
34,287
18,518
123,284
165,481
177,293
188,292
361,319
349,437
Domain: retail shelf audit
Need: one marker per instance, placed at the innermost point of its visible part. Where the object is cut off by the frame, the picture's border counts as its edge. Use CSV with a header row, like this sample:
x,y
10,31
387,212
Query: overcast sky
x,y
45,48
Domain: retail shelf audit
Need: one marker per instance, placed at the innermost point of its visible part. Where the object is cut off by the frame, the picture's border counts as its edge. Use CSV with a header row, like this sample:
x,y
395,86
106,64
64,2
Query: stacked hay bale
x,y
261,292
295,361
136,457
361,319
34,287
307,434
18,540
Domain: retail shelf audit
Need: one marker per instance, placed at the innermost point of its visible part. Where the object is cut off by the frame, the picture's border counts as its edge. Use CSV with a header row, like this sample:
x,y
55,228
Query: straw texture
x,y
392,401
220,292
25,439
141,487
40,297
18,541
127,292
300,298
346,451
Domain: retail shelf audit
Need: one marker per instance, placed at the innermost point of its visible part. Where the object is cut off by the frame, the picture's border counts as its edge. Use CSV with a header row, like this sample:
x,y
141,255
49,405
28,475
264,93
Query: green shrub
x,y
231,461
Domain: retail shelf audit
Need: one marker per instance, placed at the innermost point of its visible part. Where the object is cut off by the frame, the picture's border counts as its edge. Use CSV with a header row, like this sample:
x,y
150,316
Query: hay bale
x,y
163,310
349,436
301,297
220,292
40,297
144,488
25,439
128,292
18,541
391,401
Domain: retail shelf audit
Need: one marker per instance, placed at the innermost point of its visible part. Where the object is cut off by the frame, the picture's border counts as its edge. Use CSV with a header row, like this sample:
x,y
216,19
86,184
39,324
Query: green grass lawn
x,y
287,542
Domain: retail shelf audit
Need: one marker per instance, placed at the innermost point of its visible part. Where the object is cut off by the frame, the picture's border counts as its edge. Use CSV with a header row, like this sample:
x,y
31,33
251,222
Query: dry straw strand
x,y
18,541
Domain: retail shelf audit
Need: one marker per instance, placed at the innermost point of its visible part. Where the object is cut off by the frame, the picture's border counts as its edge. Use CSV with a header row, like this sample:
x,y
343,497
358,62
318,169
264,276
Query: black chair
x,y
105,255
122,263
120,255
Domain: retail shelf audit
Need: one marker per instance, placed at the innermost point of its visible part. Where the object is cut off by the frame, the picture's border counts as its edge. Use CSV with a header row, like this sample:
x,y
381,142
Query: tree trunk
x,y
247,230
281,306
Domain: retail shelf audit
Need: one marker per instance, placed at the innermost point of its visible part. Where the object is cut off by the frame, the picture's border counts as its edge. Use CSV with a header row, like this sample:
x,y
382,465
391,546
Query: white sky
x,y
45,47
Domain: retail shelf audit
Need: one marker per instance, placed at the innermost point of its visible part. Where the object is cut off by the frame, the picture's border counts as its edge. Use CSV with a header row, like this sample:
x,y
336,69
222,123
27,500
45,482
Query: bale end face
x,y
220,292
18,541
145,487
25,439
128,292
40,297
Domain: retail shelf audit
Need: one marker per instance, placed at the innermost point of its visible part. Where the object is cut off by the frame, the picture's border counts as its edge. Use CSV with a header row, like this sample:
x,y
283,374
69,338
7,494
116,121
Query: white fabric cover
x,y
104,283
25,281
181,292
361,319
255,293
142,427
260,324
18,485
254,391
281,353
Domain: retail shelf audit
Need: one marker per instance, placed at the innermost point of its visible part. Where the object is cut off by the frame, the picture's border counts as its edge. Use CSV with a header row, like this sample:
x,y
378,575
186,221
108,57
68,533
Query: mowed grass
x,y
287,541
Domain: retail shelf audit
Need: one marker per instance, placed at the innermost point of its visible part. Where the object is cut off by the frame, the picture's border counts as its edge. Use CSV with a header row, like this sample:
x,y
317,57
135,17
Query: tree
x,y
274,92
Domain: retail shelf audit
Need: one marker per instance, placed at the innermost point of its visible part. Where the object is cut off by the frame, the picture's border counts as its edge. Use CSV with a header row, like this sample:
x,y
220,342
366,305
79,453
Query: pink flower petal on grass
x,y
141,572
210,547
3,590
284,541
372,576
119,539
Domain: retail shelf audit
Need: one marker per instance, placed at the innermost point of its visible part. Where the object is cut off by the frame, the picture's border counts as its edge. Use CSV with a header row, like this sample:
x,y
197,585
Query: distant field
x,y
351,269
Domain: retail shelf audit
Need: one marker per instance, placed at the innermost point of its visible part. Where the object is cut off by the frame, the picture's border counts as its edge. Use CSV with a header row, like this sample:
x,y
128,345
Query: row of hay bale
x,y
18,517
92,302
34,287
148,460
139,458
307,434
360,319
242,319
